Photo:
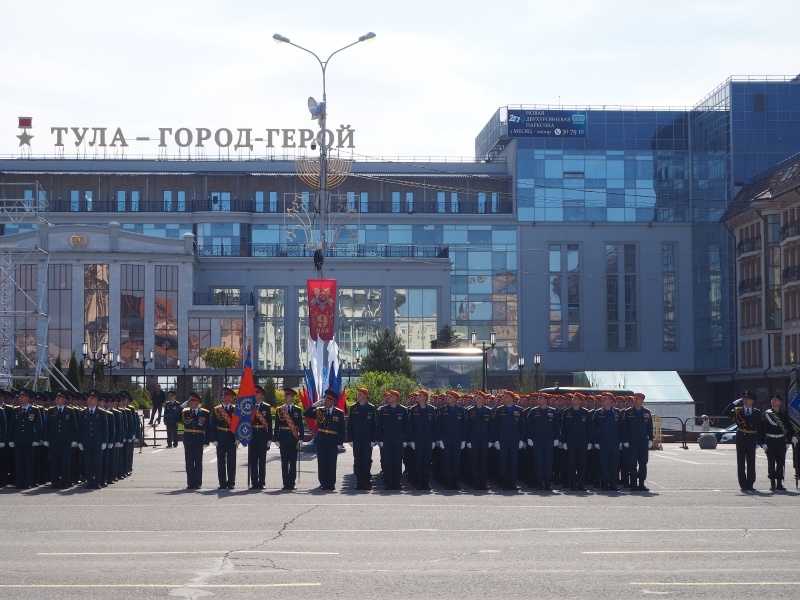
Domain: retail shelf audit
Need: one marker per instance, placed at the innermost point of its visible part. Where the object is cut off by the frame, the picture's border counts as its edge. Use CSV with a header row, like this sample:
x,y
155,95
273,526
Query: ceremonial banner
x,y
242,419
793,400
321,308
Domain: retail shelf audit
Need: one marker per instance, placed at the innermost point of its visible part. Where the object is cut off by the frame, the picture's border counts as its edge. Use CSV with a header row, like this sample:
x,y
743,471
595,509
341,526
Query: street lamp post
x,y
349,368
111,366
537,360
485,349
144,362
319,112
183,368
99,360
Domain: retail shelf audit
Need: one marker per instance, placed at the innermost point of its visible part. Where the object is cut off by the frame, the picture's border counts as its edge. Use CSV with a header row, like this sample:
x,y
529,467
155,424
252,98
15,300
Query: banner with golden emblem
x,y
322,308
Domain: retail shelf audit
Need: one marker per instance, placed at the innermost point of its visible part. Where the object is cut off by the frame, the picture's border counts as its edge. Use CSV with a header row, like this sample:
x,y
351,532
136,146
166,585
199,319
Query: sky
x,y
423,88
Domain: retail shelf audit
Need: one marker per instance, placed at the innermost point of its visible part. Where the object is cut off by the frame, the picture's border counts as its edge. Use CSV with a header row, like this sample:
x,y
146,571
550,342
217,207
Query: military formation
x,y
65,439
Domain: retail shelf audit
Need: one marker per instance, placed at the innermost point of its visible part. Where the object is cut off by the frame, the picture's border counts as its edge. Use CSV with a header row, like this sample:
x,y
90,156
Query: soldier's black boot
x,y
547,486
779,486
772,484
641,487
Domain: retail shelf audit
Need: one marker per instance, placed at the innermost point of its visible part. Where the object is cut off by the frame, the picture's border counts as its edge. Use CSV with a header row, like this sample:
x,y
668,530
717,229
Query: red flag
x,y
341,404
306,402
243,415
321,308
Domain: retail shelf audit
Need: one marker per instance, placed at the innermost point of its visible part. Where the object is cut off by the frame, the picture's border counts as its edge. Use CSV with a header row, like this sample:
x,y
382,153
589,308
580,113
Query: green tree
x,y
73,375
56,377
81,373
386,353
447,338
270,397
380,382
222,358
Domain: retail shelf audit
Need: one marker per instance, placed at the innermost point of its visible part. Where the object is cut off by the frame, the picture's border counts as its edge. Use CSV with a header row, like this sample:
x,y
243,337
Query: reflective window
x,y
416,316
26,315
131,314
166,317
271,329
59,309
95,306
232,335
199,341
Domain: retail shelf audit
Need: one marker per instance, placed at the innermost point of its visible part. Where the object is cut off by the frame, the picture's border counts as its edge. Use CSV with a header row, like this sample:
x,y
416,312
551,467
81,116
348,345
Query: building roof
x,y
771,184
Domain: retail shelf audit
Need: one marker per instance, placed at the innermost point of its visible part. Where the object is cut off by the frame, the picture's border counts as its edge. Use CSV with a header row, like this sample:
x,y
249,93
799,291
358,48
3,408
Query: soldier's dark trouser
x,y
408,462
289,463
451,458
193,454
423,457
392,453
23,457
92,463
543,462
156,416
576,463
479,462
327,453
4,468
41,469
362,460
637,461
130,457
507,462
257,457
226,461
624,464
746,459
60,456
120,461
172,435
776,458
609,462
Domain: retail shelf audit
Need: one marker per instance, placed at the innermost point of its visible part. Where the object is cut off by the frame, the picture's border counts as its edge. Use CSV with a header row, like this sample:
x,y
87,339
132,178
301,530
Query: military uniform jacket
x,y
262,421
748,426
392,424
283,433
607,426
452,422
111,429
120,434
362,423
422,424
27,426
221,423
508,426
196,427
637,426
479,425
172,413
777,424
93,428
543,425
3,425
330,427
575,426
61,427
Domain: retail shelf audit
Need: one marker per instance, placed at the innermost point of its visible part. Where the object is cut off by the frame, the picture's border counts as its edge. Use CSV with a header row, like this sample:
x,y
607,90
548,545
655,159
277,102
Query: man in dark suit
x,y
749,434
159,398
196,436
92,440
224,440
288,436
330,434
172,413
261,441
60,436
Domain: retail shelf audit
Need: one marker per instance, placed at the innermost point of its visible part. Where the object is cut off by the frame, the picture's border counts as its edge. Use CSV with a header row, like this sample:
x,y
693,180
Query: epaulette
x,y
201,409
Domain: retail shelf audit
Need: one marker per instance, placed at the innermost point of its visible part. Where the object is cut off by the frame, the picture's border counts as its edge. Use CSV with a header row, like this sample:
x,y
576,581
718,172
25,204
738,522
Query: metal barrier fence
x,y
658,436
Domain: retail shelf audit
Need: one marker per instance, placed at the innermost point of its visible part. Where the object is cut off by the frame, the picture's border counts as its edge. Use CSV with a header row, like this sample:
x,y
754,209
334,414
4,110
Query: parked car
x,y
728,436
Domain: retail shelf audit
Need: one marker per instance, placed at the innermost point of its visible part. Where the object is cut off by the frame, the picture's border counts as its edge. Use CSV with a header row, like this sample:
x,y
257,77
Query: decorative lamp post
x,y
492,341
144,362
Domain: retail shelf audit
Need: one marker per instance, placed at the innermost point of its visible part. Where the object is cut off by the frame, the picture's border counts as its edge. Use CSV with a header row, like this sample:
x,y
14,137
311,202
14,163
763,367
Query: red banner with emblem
x,y
321,308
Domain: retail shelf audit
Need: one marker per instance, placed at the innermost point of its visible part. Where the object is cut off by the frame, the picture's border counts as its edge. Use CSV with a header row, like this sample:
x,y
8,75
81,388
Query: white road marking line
x,y
184,552
18,586
715,583
691,462
688,551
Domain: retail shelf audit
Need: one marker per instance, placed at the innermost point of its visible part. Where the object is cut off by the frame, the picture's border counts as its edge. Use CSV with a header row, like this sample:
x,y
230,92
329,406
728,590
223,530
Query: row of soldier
x,y
543,438
66,438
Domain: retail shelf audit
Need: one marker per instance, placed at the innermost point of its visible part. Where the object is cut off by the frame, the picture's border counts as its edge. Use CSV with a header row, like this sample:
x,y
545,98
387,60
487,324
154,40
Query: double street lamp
x,y
537,360
319,112
183,368
349,368
98,361
473,338
144,362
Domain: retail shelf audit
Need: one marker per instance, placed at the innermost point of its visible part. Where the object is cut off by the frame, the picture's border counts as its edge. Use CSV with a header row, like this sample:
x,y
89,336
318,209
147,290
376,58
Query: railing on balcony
x,y
223,299
790,274
749,245
340,251
791,229
748,286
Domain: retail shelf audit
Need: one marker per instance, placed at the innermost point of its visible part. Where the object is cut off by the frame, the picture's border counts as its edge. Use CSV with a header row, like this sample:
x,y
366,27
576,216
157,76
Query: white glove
x,y
433,445
589,446
35,443
380,444
270,444
2,444
350,444
404,444
277,444
497,445
530,442
565,445
463,445
10,444
597,446
469,445
627,445
521,444
205,445
788,446
118,445
620,446
649,444
319,402
46,444
374,444
764,447
556,444
794,441
214,444
137,439
80,447
413,446
490,444
103,446
440,443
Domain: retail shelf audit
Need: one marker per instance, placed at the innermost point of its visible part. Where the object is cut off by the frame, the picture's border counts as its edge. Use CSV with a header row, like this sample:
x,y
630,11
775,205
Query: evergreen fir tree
x,y
386,353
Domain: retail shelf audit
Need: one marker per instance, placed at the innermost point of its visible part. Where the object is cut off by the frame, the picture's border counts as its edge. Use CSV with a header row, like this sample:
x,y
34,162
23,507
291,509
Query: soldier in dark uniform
x,y
543,431
422,436
607,439
41,468
60,436
76,464
778,434
637,433
392,433
749,434
408,451
478,436
509,436
288,435
260,442
24,437
121,431
330,435
451,424
105,477
5,451
93,434
196,436
575,438
135,429
362,431
224,440
172,413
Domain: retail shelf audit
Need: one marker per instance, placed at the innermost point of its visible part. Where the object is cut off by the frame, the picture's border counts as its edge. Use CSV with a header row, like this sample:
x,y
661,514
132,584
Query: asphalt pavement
x,y
694,535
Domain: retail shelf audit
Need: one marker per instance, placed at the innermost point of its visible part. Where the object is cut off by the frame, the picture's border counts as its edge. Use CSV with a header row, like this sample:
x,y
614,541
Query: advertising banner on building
x,y
546,123
321,308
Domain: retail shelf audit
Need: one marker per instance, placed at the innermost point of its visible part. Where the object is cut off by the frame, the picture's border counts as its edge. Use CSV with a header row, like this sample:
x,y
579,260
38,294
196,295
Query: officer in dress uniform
x,y
543,434
41,469
408,451
77,401
749,434
172,413
24,437
330,435
5,451
196,436
362,431
422,438
607,439
637,433
288,436
105,477
60,436
93,433
137,429
121,424
509,436
260,442
451,425
224,440
778,434
575,439
392,436
478,436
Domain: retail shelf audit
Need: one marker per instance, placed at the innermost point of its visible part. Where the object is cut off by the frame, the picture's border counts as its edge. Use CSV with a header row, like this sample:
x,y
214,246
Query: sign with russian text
x,y
321,308
546,123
